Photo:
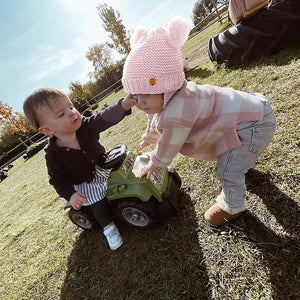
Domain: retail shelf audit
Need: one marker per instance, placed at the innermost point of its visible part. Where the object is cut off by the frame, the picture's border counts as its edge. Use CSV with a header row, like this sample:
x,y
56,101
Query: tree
x,y
203,8
8,140
79,95
13,121
113,24
93,88
100,56
199,13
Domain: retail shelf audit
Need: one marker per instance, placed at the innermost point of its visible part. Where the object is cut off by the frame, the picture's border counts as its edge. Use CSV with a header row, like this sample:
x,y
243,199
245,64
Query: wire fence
x,y
103,94
111,89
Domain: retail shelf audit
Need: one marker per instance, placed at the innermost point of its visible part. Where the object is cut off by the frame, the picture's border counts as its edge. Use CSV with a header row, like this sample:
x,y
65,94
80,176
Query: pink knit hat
x,y
154,65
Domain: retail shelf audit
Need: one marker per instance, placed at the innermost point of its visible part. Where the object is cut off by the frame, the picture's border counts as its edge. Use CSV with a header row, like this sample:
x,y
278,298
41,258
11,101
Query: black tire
x,y
136,213
175,176
3,175
83,218
168,208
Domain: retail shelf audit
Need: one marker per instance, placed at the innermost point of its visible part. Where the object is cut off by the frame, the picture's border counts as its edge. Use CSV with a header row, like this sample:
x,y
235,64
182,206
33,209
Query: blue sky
x,y
44,42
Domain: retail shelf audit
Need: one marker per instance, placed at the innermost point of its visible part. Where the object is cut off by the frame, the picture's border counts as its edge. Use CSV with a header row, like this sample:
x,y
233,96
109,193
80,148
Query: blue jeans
x,y
232,165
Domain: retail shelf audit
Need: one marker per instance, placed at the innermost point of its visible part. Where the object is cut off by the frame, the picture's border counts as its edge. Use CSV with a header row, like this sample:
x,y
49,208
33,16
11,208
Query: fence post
x,y
217,11
22,142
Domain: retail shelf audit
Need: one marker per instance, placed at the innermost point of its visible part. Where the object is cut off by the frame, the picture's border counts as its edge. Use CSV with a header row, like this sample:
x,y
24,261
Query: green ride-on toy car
x,y
138,202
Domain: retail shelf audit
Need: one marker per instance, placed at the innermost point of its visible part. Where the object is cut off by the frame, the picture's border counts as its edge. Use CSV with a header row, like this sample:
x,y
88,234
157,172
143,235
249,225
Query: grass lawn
x,y
44,256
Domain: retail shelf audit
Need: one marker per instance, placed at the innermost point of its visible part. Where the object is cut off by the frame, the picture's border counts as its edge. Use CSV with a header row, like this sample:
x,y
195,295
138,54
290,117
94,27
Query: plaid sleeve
x,y
169,144
150,136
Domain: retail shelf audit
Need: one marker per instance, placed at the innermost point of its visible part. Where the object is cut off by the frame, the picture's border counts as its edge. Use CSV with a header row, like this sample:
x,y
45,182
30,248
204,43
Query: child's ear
x,y
46,131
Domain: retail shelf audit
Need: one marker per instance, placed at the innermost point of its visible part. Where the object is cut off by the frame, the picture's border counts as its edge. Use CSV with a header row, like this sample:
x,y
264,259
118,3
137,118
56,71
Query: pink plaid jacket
x,y
200,121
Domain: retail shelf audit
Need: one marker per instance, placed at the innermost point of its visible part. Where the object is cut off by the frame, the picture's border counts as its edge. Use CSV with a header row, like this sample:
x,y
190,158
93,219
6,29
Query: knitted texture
x,y
154,65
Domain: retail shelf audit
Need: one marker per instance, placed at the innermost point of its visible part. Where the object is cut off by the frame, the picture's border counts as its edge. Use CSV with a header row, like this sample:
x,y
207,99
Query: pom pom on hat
x,y
139,35
154,65
178,31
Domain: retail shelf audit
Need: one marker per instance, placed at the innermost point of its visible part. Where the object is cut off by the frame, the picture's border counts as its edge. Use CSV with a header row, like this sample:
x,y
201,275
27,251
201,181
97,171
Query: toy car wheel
x,y
3,175
83,218
137,213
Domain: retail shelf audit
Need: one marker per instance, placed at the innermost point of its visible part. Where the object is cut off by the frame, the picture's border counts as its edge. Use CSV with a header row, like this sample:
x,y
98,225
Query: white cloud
x,y
48,61
83,17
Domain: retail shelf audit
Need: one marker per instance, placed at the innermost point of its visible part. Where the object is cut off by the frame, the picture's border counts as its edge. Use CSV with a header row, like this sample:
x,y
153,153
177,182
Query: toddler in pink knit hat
x,y
205,122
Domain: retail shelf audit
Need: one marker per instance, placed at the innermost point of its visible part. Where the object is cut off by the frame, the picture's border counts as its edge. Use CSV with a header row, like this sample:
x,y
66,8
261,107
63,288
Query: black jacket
x,y
67,166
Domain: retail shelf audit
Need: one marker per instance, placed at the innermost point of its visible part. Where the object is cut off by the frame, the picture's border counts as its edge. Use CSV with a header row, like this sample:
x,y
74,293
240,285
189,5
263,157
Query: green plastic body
x,y
125,182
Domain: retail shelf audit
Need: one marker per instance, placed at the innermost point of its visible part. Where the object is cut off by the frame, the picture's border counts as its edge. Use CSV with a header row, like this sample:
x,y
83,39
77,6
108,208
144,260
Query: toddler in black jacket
x,y
74,154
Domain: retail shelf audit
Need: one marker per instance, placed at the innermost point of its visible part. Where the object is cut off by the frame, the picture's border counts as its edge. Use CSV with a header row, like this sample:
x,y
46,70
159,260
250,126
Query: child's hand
x,y
129,101
77,199
141,146
149,169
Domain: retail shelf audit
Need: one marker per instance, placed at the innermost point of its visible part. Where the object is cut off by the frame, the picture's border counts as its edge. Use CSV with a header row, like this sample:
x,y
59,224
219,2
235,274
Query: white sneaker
x,y
113,236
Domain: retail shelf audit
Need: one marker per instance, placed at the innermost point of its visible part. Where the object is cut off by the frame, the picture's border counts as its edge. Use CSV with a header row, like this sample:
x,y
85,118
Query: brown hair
x,y
40,97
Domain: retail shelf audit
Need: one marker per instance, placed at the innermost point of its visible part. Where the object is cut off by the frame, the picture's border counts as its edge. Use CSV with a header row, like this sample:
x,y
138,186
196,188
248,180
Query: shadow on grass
x,y
281,57
162,263
281,254
284,208
199,73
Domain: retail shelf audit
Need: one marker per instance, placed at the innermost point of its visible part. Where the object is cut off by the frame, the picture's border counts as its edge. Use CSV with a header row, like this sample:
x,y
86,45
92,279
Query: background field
x,y
44,256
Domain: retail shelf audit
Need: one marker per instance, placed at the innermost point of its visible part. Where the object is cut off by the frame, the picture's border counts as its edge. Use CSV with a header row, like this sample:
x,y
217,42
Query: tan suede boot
x,y
215,216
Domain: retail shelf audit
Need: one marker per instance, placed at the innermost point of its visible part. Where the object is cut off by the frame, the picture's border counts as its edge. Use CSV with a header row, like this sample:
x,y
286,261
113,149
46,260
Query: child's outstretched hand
x,y
141,146
129,101
148,170
77,199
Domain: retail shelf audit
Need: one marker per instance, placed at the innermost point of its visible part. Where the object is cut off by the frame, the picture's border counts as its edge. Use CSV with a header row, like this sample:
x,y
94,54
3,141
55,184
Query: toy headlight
x,y
157,177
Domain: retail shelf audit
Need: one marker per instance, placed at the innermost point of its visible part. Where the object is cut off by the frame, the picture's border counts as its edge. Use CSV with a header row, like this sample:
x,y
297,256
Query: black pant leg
x,y
102,212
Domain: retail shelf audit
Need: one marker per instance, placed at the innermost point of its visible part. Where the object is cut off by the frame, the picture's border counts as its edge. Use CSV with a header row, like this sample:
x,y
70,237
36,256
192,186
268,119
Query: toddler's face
x,y
61,117
150,104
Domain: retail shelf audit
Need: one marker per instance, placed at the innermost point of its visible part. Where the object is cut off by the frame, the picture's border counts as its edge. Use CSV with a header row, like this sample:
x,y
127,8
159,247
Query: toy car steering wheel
x,y
115,157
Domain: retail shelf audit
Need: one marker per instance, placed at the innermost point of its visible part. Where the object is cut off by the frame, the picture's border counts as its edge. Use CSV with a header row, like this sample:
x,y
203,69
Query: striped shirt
x,y
96,189
200,121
